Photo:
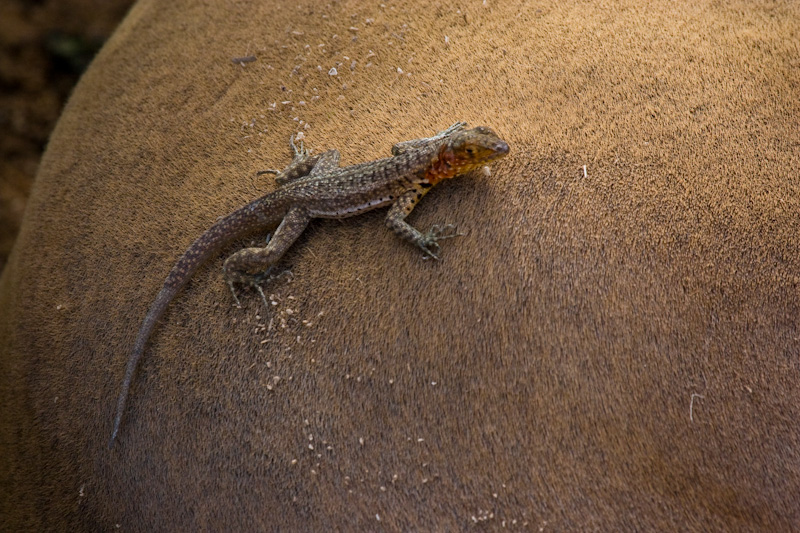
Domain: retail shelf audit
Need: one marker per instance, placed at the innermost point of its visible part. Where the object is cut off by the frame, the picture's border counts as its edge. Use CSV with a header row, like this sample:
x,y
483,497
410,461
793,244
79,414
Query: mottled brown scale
x,y
316,187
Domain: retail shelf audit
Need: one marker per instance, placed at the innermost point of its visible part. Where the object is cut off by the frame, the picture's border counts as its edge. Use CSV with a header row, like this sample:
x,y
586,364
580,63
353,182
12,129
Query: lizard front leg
x,y
401,208
414,144
250,266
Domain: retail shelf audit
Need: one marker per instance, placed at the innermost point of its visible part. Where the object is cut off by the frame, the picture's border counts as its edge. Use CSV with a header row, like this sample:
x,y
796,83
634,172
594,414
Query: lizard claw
x,y
265,276
235,298
432,250
261,292
253,280
301,152
452,129
437,232
447,231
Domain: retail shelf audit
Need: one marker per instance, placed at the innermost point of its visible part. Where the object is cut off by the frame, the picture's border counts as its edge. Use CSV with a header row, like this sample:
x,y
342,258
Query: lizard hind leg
x,y
252,266
302,163
306,165
309,166
254,280
299,155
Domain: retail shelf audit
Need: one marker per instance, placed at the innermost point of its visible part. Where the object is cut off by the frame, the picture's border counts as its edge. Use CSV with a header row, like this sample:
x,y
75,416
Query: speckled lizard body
x,y
314,186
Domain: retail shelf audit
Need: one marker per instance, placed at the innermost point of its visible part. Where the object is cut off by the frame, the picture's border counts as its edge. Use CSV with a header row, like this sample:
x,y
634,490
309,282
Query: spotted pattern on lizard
x,y
314,186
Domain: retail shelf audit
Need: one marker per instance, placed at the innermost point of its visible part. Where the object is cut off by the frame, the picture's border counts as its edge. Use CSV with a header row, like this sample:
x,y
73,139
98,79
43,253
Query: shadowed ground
x,y
613,345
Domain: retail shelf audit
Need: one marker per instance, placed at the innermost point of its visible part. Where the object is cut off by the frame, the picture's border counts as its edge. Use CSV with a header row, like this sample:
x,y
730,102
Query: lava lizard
x,y
314,186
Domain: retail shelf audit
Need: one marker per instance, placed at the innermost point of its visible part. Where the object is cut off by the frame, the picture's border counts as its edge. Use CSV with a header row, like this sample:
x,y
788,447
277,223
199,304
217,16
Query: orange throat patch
x,y
442,168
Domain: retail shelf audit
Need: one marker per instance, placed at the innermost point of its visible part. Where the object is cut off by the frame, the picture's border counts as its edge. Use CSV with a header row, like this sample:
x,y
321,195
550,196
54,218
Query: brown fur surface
x,y
539,377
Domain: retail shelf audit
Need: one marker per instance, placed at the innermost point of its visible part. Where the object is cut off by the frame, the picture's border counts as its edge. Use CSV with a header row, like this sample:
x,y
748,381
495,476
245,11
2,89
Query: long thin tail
x,y
156,310
240,223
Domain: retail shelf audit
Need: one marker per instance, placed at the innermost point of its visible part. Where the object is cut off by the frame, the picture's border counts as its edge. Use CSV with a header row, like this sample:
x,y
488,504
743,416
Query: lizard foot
x,y
243,278
452,129
301,152
255,281
430,244
300,155
265,277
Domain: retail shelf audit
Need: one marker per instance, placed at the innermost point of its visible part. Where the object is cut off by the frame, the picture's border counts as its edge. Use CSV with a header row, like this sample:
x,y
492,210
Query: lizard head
x,y
466,151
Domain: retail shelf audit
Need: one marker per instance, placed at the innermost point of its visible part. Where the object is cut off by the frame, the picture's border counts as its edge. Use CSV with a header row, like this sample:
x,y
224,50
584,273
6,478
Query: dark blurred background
x,y
45,45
